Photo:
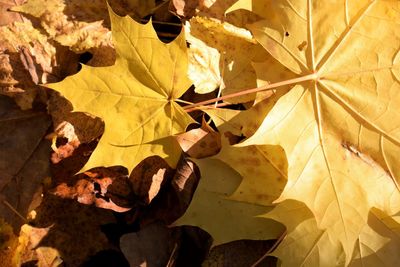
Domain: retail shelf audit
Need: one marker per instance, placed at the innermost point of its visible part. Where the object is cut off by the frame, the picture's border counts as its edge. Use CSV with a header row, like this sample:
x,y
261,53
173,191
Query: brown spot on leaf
x,y
201,142
233,139
302,46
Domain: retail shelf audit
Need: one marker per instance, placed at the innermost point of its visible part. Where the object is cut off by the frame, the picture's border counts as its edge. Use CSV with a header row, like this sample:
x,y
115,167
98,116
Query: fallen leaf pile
x,y
266,133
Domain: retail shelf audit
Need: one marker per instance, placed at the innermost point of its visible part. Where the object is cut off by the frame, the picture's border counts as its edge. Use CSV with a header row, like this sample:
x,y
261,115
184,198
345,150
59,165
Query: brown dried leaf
x,y
76,127
64,229
152,246
183,8
110,188
173,200
6,16
8,243
24,159
201,142
28,58
241,253
211,8
92,187
28,250
149,176
81,25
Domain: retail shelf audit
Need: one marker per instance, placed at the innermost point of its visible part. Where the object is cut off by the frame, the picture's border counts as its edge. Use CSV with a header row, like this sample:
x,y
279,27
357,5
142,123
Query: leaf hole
x,y
287,34
96,186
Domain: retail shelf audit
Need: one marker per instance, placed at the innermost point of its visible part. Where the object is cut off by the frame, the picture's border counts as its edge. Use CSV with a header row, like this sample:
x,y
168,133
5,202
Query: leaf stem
x,y
183,101
210,106
278,241
313,76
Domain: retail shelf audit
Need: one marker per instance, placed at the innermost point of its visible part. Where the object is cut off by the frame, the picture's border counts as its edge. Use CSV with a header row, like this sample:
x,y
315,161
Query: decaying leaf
x,y
78,24
184,8
29,248
152,246
9,17
25,60
240,253
201,142
63,230
175,197
28,58
8,244
92,187
159,245
24,160
147,72
153,189
76,127
149,176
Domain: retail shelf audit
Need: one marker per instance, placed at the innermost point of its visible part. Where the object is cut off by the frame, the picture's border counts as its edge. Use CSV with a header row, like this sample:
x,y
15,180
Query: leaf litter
x,y
316,87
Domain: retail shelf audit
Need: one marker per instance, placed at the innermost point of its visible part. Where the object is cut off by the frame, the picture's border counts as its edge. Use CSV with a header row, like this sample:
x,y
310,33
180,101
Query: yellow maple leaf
x,y
339,125
250,161
335,116
135,97
224,195
212,206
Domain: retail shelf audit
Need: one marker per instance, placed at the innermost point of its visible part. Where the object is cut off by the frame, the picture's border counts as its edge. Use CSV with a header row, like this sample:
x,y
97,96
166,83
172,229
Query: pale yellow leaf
x,y
339,125
264,170
217,58
305,243
212,198
379,241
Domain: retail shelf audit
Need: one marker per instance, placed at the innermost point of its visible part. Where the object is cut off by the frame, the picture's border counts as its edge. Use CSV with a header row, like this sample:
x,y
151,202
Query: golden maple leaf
x,y
338,125
135,97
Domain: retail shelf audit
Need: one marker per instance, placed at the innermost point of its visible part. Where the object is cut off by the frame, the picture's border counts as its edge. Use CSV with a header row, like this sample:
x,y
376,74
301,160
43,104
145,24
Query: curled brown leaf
x,y
201,142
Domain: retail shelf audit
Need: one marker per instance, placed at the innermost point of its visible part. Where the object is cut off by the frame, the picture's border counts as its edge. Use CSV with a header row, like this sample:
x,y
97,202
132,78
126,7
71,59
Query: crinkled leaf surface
x,y
81,25
79,35
339,125
216,58
134,97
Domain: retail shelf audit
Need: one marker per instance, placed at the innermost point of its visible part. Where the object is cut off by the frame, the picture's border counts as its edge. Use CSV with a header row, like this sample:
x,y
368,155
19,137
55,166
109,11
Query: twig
x,y
5,202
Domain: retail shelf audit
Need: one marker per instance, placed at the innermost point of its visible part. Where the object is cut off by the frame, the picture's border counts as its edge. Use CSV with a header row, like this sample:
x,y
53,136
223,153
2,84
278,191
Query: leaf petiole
x,y
271,86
